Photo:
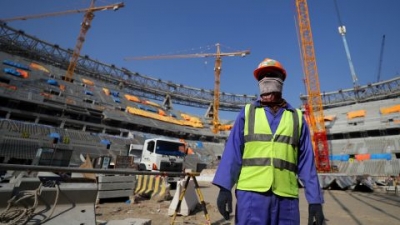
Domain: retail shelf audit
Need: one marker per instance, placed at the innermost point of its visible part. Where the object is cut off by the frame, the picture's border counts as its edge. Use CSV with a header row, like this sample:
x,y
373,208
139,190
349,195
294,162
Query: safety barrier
x,y
155,187
115,187
43,200
79,198
188,202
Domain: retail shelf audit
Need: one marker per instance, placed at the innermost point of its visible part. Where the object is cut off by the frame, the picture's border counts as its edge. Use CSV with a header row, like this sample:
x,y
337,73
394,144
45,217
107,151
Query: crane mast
x,y
342,32
314,109
380,59
85,25
217,82
217,75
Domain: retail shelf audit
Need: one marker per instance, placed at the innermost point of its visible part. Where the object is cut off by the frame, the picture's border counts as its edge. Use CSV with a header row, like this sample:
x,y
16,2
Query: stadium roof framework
x,y
18,43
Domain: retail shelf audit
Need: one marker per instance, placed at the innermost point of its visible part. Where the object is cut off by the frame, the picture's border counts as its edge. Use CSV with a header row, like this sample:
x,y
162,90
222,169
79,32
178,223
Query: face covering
x,y
270,84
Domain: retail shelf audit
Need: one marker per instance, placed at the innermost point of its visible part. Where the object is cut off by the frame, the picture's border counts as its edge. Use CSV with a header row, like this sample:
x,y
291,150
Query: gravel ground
x,y
341,207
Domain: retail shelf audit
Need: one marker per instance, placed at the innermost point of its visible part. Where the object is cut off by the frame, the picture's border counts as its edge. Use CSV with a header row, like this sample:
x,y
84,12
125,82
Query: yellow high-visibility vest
x,y
270,160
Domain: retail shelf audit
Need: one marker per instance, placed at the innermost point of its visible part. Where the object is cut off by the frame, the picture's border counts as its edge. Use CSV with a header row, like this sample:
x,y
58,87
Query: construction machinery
x,y
342,32
214,108
85,25
67,12
380,59
313,106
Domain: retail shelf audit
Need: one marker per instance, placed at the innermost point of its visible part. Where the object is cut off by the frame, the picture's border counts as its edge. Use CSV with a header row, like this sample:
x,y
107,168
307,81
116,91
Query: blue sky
x,y
265,27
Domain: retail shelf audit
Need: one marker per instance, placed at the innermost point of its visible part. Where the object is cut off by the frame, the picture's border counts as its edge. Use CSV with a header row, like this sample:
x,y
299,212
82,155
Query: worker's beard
x,y
274,102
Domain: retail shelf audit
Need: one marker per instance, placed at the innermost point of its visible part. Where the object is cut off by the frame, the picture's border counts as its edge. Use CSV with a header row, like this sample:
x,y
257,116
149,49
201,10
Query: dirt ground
x,y
341,207
157,211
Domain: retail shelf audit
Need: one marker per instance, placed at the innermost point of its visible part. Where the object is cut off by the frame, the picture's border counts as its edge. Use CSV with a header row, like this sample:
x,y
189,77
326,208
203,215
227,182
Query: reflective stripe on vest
x,y
270,160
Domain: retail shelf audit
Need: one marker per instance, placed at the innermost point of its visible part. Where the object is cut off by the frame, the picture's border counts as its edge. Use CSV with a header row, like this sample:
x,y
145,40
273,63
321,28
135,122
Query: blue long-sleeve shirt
x,y
229,168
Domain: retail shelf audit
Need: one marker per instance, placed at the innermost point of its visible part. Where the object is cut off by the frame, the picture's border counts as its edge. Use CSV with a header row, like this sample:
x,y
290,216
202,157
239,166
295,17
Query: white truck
x,y
161,155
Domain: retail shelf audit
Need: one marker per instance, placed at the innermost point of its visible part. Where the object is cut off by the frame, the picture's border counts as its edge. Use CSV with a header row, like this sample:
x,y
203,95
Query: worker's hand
x,y
224,202
315,214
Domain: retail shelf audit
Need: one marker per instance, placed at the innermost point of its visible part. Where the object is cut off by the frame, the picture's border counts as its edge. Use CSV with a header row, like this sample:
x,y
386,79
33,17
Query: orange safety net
x,y
151,103
39,67
161,112
191,120
106,91
361,157
87,82
132,98
225,127
355,114
23,73
157,116
390,109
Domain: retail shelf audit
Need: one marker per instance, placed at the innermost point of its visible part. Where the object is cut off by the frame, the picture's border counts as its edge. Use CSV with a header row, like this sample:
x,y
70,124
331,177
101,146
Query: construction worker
x,y
268,149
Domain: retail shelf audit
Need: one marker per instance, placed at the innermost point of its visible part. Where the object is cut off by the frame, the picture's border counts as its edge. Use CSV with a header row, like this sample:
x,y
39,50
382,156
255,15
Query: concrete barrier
x,y
60,203
189,200
116,187
206,175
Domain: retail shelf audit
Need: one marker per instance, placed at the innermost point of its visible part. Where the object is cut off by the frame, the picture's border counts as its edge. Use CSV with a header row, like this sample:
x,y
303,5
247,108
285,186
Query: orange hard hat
x,y
269,65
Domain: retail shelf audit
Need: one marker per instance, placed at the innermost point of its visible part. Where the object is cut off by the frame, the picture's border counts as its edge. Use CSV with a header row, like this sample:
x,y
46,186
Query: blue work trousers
x,y
254,208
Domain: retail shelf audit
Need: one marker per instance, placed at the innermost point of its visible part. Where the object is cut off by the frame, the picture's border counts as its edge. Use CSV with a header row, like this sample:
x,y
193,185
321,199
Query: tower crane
x,y
72,11
314,109
342,32
85,25
380,59
217,74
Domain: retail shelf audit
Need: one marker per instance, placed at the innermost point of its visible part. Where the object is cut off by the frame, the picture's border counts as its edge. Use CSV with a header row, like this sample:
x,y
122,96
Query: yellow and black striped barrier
x,y
154,186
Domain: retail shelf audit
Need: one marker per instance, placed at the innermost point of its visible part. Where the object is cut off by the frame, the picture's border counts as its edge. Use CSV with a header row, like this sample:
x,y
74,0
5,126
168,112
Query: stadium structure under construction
x,y
106,108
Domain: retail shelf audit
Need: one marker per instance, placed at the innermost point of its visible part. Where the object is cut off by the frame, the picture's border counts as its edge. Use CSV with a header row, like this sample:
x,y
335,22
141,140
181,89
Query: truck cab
x,y
162,155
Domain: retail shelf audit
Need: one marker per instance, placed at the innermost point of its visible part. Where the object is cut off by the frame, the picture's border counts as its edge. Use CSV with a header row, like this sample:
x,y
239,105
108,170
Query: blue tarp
x,y
105,142
14,64
339,157
199,144
52,82
88,92
55,135
12,72
114,93
386,156
115,99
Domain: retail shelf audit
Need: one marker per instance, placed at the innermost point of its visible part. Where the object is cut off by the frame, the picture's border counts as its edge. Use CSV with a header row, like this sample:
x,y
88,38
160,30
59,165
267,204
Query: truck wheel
x,y
142,167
